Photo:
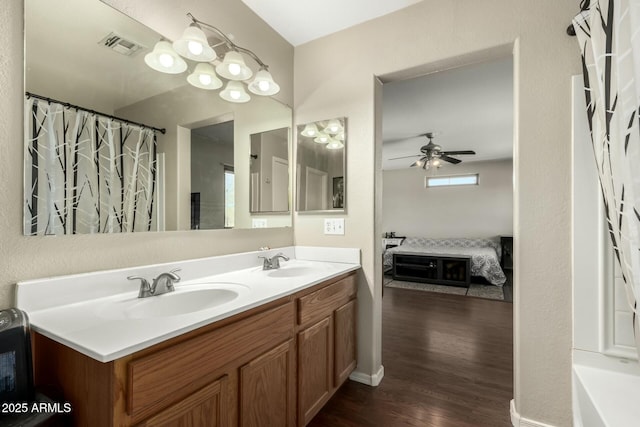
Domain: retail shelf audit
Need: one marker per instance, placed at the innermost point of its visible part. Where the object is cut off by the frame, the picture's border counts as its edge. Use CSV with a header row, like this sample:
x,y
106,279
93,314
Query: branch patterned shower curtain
x,y
608,32
86,173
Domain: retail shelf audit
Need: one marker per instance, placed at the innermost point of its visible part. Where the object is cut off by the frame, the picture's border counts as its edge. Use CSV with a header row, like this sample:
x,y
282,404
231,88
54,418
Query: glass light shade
x,y
335,145
322,138
436,162
339,136
233,67
194,45
310,130
164,59
204,77
234,92
333,127
263,84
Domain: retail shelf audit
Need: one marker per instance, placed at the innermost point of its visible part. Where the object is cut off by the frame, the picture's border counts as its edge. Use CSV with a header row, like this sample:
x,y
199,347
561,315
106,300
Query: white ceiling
x,y
300,21
468,108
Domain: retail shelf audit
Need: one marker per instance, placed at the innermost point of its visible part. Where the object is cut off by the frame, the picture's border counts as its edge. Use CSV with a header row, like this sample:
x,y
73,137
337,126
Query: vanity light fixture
x,y
204,77
310,130
333,127
234,92
193,45
322,138
335,145
164,59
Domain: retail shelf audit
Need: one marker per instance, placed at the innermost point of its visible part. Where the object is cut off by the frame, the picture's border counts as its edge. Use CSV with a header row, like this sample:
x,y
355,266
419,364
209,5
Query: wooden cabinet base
x,y
274,365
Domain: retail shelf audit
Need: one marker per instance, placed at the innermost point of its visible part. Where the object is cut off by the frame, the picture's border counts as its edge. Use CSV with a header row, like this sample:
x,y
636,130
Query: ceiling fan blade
x,y
406,157
450,159
457,153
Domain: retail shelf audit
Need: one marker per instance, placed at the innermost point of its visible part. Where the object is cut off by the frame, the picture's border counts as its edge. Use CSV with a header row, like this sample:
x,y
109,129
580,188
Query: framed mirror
x,y
112,145
321,166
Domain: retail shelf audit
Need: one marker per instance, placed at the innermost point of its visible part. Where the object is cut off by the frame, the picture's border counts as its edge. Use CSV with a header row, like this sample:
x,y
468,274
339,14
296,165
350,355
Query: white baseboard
x,y
372,380
518,421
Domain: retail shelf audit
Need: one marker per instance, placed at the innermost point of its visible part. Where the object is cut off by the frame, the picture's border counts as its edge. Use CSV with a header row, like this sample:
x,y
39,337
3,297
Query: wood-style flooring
x,y
448,363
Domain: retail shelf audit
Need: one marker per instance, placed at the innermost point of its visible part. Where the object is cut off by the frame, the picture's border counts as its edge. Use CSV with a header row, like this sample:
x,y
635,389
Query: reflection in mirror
x,y
212,177
269,185
321,166
115,171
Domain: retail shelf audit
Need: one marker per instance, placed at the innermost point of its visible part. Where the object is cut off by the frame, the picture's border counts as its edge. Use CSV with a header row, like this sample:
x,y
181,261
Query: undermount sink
x,y
184,300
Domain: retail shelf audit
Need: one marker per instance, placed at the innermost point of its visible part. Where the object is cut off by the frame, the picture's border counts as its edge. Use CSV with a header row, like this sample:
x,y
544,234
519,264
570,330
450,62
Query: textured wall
x,y
435,35
32,257
482,210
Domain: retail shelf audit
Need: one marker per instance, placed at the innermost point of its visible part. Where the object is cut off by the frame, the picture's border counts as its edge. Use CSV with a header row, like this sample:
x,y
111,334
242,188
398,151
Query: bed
x,y
484,253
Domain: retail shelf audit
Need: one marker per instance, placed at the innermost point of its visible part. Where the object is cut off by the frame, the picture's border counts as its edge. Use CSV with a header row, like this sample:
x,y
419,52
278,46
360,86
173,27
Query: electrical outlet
x,y
334,226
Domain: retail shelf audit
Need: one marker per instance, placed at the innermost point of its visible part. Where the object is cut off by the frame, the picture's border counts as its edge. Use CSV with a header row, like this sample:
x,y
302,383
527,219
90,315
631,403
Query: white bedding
x,y
485,261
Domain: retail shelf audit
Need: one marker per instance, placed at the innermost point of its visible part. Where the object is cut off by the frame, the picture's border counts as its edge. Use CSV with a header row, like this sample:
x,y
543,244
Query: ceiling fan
x,y
432,155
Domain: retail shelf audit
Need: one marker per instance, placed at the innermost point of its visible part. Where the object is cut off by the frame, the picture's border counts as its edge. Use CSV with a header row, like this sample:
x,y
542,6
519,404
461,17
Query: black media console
x,y
454,270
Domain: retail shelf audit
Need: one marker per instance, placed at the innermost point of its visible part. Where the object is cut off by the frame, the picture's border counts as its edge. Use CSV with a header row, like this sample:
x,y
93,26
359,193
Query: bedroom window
x,y
447,181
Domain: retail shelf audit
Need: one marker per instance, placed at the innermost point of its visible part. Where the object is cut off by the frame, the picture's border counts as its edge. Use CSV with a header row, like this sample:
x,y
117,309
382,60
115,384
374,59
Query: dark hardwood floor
x,y
448,363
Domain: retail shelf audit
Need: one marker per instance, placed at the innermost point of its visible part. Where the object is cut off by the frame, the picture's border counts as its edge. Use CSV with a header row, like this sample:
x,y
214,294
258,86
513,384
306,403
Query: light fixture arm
x,y
230,44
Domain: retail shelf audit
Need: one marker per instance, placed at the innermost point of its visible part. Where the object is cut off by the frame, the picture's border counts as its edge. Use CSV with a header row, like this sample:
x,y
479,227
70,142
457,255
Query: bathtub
x,y
604,397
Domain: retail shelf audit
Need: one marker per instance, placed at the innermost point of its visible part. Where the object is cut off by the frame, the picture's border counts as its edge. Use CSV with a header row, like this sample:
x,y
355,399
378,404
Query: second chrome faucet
x,y
161,284
273,262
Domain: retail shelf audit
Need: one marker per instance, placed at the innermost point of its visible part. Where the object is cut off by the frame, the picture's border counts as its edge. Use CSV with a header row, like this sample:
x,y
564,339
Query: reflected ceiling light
x,y
204,77
164,59
263,84
340,136
233,67
310,130
234,92
335,145
333,127
194,45
322,138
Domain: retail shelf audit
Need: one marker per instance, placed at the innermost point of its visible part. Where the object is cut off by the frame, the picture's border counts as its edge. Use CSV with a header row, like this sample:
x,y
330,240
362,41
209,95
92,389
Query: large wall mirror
x,y
321,166
181,158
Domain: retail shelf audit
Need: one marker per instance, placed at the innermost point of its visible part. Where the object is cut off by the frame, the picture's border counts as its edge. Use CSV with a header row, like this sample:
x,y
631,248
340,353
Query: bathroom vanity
x,y
275,361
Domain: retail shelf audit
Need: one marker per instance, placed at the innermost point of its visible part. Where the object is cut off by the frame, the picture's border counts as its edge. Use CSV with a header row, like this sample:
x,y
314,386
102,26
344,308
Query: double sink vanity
x,y
236,342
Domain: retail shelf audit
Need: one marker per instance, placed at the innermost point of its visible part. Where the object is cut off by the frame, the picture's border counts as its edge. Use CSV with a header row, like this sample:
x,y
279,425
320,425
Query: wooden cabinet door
x,y
344,338
205,407
314,369
267,389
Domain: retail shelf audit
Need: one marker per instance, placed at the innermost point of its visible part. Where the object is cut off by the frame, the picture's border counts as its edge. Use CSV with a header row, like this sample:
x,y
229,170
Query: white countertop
x,y
78,310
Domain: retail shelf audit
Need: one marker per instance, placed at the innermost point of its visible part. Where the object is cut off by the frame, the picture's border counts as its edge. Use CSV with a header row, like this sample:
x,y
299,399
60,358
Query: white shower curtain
x,y
86,173
608,32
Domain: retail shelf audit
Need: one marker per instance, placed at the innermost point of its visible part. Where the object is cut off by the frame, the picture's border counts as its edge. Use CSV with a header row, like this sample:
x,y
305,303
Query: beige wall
x,y
482,210
434,35
33,257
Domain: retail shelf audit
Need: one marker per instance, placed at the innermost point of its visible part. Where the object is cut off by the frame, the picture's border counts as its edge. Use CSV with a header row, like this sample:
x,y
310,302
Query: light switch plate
x,y
259,223
334,226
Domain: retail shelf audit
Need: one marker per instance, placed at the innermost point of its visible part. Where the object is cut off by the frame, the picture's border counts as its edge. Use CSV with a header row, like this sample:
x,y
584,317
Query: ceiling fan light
x,y
234,92
194,45
204,77
310,130
164,59
233,67
263,84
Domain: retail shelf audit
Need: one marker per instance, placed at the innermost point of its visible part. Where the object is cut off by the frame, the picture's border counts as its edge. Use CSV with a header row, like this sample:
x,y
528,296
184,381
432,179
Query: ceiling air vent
x,y
119,44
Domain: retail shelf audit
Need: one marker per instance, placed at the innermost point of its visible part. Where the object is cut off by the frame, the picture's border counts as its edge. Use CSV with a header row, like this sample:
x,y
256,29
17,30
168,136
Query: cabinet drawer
x,y
322,302
158,380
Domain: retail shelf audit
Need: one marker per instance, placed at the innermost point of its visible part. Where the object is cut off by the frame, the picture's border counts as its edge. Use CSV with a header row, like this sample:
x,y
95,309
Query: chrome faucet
x,y
161,284
273,262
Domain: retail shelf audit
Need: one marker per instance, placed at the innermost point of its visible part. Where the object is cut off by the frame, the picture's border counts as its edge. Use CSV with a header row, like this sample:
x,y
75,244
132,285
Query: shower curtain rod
x,y
584,5
77,107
